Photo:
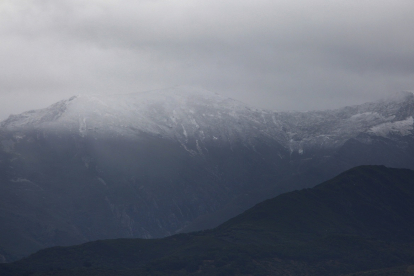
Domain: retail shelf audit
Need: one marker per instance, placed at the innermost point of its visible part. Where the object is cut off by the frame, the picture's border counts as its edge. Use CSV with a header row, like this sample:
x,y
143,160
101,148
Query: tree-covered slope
x,y
359,221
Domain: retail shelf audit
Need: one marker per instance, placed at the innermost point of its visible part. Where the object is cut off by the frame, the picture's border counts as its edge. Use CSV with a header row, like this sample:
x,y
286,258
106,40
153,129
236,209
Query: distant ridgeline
x,y
158,163
358,223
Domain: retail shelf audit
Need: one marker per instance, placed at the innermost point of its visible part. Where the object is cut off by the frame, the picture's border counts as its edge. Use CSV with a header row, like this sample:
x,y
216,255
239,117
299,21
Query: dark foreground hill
x,y
361,220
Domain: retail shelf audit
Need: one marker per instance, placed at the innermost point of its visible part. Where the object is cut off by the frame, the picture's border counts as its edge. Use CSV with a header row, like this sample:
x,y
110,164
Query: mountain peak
x,y
178,112
116,105
33,118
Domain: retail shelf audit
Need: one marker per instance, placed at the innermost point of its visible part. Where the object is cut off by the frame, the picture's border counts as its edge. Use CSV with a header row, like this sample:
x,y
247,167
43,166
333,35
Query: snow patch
x,y
199,148
399,127
21,180
102,181
184,132
360,116
82,127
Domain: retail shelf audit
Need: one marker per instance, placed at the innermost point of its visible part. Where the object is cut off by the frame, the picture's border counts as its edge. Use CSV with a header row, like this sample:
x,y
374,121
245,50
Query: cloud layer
x,y
282,55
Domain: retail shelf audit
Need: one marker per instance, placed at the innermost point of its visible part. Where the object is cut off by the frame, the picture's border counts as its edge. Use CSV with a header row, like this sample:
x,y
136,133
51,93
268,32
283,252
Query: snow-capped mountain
x,y
185,113
155,163
180,113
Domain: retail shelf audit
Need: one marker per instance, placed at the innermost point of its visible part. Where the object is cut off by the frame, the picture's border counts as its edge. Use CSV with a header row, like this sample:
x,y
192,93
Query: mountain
x,y
358,223
152,164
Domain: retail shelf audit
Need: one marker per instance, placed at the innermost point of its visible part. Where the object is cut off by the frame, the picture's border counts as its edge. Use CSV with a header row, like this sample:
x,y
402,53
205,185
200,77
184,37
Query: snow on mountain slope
x,y
180,113
184,113
332,128
403,128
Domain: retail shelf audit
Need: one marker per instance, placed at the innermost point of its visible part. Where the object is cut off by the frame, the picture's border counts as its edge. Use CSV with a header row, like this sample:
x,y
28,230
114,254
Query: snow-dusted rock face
x,y
180,113
186,113
332,128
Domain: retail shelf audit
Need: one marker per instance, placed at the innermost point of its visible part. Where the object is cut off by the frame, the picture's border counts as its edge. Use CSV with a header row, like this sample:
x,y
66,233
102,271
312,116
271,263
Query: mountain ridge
x,y
178,112
76,177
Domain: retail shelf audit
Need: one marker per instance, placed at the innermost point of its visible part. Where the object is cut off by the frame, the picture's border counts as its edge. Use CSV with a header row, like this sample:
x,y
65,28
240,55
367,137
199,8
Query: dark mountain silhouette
x,y
360,220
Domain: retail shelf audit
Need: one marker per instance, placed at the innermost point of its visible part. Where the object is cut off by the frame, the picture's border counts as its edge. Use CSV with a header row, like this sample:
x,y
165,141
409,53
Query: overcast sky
x,y
283,55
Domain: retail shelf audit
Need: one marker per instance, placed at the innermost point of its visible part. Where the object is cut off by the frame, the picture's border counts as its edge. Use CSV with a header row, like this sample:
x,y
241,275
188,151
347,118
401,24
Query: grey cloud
x,y
274,54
